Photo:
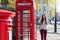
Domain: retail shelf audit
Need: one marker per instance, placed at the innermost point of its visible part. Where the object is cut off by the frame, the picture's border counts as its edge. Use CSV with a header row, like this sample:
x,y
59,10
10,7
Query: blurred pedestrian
x,y
43,29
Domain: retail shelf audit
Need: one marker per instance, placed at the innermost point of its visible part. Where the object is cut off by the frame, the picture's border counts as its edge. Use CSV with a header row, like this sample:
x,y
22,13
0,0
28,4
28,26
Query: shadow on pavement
x,y
53,33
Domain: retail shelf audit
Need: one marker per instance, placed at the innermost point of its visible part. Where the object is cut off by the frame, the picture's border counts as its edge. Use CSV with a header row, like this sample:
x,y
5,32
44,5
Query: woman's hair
x,y
43,19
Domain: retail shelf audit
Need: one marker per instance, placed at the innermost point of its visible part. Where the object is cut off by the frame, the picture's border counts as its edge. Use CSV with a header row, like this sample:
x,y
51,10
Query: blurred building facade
x,y
10,3
42,6
52,7
45,6
0,2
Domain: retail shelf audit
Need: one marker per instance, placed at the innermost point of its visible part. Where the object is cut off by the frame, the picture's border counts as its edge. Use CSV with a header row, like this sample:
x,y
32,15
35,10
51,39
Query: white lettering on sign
x,y
24,4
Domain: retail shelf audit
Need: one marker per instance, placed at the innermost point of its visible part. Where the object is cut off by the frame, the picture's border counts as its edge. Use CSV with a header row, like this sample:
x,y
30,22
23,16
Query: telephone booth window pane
x,y
18,30
18,16
25,24
19,26
26,11
26,15
26,19
26,29
18,20
26,32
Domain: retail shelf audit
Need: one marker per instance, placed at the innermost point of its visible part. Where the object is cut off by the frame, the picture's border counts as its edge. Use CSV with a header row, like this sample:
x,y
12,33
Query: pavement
x,y
51,35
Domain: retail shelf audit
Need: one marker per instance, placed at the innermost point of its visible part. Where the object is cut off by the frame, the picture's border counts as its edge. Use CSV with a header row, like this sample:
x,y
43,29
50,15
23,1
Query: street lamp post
x,y
55,25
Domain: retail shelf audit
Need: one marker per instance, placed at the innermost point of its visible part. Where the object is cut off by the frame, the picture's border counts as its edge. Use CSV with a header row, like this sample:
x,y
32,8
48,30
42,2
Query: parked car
x,y
52,21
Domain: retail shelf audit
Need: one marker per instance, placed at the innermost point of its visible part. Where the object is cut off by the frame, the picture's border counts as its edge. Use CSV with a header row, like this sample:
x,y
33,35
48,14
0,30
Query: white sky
x,y
58,5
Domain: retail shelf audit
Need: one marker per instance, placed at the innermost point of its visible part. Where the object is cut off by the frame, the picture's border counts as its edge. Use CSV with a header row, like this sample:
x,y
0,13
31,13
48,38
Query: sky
x,y
58,5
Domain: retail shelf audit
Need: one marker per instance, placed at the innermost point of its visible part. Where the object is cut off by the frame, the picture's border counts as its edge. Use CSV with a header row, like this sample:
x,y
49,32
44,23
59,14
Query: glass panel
x,y
26,19
20,28
26,11
26,33
18,31
18,16
18,25
26,15
25,24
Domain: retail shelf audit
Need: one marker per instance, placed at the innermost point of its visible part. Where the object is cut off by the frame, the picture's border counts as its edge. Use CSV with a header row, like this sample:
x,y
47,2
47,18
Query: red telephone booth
x,y
5,23
24,20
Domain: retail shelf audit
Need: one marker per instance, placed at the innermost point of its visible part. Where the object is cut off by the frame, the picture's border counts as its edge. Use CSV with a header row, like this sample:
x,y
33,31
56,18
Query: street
x,y
51,35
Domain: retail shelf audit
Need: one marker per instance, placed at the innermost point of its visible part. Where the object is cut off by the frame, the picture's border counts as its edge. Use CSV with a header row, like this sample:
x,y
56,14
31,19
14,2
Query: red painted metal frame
x,y
31,8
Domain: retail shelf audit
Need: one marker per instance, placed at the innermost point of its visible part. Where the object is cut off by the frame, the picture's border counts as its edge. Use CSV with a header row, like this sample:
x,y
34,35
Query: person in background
x,y
43,29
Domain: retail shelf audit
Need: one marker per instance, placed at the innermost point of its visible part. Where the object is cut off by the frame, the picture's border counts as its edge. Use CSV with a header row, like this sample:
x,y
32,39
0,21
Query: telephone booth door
x,y
24,21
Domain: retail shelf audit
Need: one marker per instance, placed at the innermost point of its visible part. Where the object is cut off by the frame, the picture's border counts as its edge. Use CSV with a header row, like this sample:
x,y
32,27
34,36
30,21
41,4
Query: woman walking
x,y
43,29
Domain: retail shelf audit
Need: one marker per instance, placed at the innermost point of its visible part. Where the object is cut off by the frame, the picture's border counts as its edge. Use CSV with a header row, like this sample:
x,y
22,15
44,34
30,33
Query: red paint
x,y
4,16
22,5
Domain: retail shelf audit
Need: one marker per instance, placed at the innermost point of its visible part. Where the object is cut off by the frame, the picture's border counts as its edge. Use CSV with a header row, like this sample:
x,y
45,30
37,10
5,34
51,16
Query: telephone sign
x,y
24,20
24,4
